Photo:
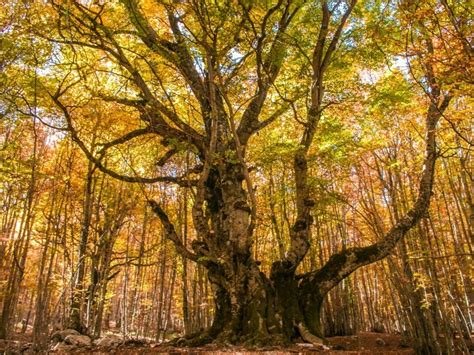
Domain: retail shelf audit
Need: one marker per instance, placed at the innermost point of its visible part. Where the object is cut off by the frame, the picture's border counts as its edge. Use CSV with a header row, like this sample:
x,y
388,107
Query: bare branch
x,y
342,264
170,231
98,163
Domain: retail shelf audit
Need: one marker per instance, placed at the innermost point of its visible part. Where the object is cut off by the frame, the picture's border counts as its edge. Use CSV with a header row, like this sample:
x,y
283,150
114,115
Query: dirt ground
x,y
363,343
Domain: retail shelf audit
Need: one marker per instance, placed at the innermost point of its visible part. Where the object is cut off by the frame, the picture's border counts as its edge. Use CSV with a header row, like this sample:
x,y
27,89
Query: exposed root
x,y
228,338
262,341
193,340
308,336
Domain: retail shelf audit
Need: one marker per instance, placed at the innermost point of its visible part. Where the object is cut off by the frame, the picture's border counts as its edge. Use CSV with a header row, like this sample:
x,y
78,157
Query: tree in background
x,y
204,80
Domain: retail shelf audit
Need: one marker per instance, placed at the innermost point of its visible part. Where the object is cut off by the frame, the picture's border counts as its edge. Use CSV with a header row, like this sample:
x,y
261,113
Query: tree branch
x,y
300,231
174,52
342,264
125,138
182,181
99,33
170,231
267,71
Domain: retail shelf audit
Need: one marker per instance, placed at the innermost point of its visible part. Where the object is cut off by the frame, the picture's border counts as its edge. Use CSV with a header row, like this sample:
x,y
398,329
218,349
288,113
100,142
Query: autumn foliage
x,y
246,172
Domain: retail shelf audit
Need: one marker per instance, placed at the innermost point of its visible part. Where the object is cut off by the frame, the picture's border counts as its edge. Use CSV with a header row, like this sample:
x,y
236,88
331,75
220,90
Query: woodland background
x,y
365,163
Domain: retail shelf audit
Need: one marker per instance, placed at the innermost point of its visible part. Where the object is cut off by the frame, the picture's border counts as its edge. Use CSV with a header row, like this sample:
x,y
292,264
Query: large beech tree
x,y
204,77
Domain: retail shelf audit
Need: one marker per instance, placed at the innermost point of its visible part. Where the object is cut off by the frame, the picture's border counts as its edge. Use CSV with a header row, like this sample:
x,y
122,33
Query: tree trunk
x,y
250,307
75,319
257,310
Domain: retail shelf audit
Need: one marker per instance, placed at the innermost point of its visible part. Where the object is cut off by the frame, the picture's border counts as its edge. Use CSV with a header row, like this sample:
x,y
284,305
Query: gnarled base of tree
x,y
248,340
263,312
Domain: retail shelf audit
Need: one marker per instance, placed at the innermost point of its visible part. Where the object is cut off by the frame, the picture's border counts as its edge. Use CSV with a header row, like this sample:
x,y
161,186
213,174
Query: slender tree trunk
x,y
20,246
75,318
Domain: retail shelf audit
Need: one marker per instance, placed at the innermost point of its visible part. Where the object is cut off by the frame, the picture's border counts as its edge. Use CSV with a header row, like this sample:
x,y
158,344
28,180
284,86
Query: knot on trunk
x,y
242,205
300,162
282,268
299,226
200,247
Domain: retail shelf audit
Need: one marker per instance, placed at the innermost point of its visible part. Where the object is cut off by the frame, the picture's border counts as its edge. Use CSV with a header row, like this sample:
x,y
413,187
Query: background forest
x,y
92,239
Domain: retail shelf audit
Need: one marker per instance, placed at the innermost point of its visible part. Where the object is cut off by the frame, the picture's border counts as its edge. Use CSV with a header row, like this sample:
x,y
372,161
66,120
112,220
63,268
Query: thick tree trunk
x,y
250,308
261,311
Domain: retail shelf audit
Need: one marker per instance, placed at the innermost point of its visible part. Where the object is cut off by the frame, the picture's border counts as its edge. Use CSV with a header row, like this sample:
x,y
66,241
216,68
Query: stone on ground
x,y
60,335
78,340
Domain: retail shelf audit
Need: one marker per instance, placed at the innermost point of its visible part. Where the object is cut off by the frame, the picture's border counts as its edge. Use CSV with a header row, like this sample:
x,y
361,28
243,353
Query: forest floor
x,y
363,343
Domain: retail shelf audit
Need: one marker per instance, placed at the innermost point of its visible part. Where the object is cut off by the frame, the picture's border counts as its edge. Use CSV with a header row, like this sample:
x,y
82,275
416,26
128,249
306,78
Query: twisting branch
x,y
342,264
300,232
174,52
182,181
170,231
268,68
100,37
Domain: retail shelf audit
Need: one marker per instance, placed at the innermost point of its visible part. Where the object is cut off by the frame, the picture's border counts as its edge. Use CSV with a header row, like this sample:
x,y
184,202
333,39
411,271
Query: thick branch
x,y
102,38
182,181
342,264
300,232
267,72
170,231
175,53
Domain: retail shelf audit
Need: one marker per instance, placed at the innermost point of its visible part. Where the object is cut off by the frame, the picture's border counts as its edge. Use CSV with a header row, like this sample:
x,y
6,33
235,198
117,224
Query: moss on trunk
x,y
270,310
